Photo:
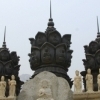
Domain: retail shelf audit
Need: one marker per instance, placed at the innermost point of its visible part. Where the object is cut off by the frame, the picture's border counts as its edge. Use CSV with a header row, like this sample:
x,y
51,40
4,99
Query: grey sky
x,y
24,18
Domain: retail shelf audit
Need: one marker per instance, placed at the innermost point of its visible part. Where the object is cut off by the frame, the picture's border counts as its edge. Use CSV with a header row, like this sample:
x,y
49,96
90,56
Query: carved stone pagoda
x,y
51,52
92,61
9,66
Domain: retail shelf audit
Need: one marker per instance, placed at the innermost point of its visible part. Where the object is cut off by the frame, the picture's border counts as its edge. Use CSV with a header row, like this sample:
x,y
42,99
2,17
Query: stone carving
x,y
32,42
98,40
34,58
45,90
2,87
6,68
47,85
86,48
97,58
98,80
47,53
67,39
92,61
12,86
93,47
14,58
54,38
77,83
68,58
61,54
89,62
9,66
40,39
4,55
89,81
50,27
54,55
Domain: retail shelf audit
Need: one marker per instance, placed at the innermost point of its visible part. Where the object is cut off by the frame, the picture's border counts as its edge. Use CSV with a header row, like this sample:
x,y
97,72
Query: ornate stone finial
x,y
50,10
92,61
4,43
50,23
98,26
9,65
51,52
50,27
98,33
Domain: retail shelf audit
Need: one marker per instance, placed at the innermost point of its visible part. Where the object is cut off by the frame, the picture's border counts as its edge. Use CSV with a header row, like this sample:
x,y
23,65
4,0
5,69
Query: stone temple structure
x,y
92,61
9,66
51,52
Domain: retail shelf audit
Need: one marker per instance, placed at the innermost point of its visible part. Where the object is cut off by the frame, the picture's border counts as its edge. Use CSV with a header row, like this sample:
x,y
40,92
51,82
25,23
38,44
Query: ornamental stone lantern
x,y
9,66
92,61
51,52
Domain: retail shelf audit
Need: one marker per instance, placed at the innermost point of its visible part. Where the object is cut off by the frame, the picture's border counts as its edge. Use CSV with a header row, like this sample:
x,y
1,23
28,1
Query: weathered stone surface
x,y
59,87
64,92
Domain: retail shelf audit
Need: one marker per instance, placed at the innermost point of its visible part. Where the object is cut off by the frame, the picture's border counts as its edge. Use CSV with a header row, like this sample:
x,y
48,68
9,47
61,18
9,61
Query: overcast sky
x,y
24,18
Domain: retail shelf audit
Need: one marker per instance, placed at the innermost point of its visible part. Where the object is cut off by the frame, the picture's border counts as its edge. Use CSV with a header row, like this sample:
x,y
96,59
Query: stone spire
x,y
50,27
4,43
50,23
97,25
98,28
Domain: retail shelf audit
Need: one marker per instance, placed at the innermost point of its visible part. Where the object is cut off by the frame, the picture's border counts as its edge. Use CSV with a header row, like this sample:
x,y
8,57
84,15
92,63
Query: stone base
x,y
59,87
87,96
7,98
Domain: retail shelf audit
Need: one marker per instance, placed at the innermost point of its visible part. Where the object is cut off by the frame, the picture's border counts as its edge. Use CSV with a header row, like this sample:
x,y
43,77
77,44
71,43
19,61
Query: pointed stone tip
x,y
4,43
50,10
50,23
4,33
98,26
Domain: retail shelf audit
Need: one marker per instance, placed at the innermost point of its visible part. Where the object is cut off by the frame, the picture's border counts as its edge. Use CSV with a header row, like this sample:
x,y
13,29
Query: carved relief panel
x,y
54,38
40,39
35,58
61,54
47,53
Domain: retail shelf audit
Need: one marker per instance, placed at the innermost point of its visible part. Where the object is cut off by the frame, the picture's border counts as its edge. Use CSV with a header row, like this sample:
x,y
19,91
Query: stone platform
x,y
87,96
5,98
53,88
